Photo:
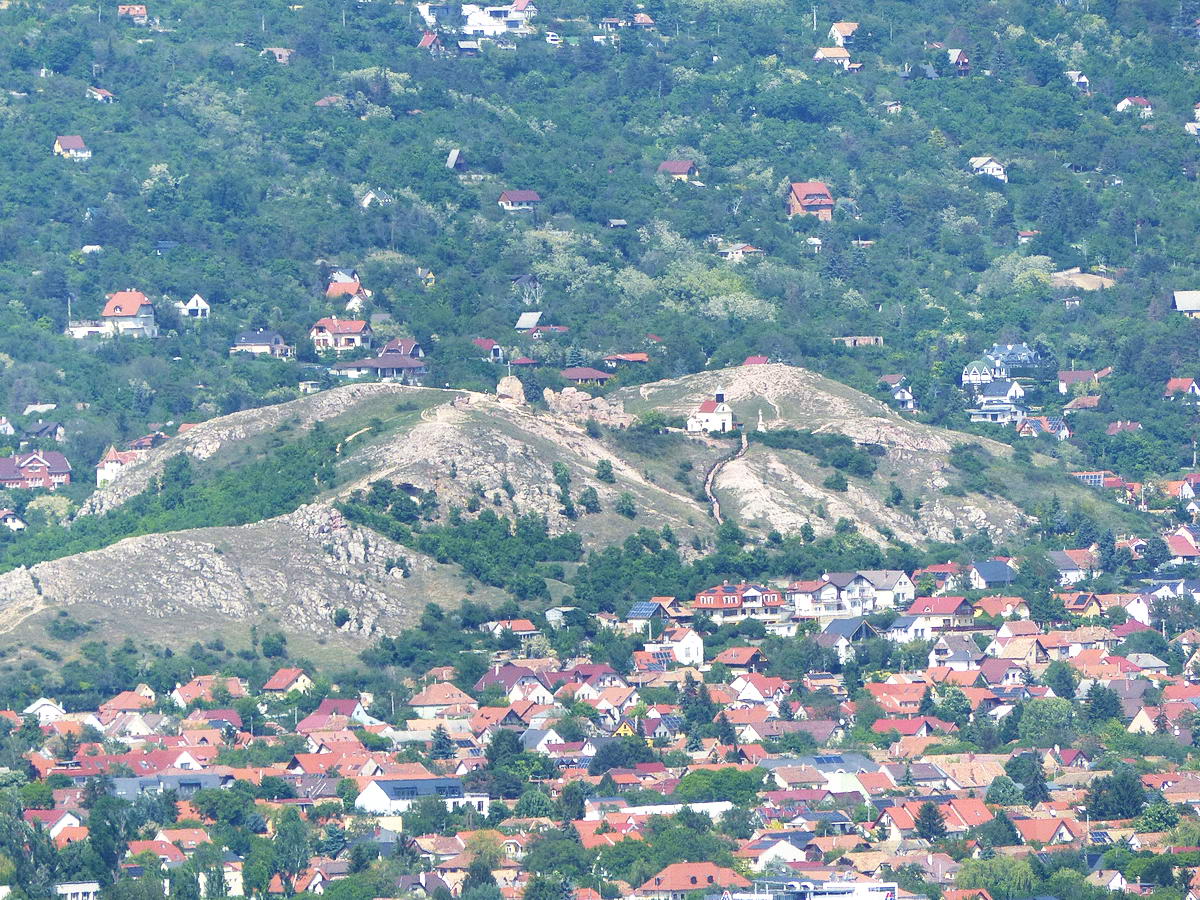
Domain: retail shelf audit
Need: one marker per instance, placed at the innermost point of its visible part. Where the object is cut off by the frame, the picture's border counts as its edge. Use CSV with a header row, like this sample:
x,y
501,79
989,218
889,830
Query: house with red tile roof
x,y
285,681
340,335
678,880
810,198
203,687
678,169
742,659
1181,387
517,201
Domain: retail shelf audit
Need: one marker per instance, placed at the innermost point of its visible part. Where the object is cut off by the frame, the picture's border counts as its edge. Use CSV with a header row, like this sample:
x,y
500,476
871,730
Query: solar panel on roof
x,y
643,609
827,760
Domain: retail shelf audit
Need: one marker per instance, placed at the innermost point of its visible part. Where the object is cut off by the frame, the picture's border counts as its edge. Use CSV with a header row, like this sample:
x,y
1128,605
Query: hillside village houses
x,y
400,359
372,772
47,469
1138,106
810,198
196,307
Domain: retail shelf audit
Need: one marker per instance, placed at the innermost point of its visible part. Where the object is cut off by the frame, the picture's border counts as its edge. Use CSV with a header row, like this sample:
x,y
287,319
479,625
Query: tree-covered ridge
x,y
221,150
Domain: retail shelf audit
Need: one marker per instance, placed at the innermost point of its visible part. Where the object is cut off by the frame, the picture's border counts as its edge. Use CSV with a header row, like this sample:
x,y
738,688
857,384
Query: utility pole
x,y
814,12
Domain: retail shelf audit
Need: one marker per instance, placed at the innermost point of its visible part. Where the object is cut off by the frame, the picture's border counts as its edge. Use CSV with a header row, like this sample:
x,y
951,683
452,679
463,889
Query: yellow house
x,y
625,729
71,146
679,169
428,279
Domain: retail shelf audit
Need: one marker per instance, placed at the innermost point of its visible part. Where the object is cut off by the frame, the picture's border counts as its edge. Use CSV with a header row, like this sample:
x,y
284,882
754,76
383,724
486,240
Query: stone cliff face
x,y
295,570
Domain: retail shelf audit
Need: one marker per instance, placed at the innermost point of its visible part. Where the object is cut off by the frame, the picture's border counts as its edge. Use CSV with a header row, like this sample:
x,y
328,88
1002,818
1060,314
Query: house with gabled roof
x,y
71,146
810,198
742,659
678,880
1185,388
841,34
990,166
131,313
991,573
287,680
939,613
1139,106
839,56
1002,607
340,335
678,169
519,200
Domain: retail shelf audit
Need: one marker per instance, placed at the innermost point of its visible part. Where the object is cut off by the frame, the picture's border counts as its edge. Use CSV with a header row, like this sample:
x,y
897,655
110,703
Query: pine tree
x,y
930,824
443,747
1035,790
725,733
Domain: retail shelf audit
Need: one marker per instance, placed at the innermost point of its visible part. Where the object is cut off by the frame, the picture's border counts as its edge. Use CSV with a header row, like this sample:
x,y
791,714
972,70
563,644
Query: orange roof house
x,y
680,879
810,198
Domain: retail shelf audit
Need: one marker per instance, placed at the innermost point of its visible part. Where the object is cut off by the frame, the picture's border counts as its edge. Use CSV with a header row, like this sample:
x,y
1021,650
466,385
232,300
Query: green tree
x,y
1157,816
1048,721
442,746
184,883
1102,704
999,832
1026,770
604,472
625,505
291,847
1003,877
1003,791
1062,678
1116,796
930,823
534,803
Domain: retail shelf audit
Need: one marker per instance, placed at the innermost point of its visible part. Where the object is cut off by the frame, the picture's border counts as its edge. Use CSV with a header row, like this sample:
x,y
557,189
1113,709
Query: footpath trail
x,y
714,503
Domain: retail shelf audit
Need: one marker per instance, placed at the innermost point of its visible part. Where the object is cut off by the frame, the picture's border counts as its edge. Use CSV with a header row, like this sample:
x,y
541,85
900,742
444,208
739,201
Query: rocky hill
x,y
296,570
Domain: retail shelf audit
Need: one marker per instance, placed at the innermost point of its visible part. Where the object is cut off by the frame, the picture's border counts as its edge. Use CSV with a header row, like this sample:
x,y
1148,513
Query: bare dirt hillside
x,y
783,489
295,571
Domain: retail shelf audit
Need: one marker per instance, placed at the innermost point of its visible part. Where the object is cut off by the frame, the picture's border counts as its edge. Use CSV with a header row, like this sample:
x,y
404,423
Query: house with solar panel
x,y
643,615
678,646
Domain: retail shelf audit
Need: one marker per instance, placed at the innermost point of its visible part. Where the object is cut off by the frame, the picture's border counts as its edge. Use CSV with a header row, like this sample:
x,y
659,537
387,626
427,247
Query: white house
x,y
839,56
389,796
684,644
1139,105
712,415
11,520
841,34
990,166
129,313
113,463
45,710
195,308
77,890
893,587
1079,81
